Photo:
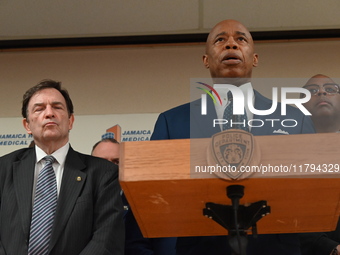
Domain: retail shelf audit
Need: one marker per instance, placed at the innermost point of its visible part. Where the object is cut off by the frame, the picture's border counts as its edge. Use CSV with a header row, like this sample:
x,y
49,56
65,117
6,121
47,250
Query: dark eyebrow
x,y
237,32
222,33
53,103
57,102
37,105
331,83
327,83
241,33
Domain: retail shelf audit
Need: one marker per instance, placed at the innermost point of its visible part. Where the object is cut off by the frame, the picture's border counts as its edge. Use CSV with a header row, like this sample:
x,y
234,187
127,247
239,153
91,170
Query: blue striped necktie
x,y
45,204
230,117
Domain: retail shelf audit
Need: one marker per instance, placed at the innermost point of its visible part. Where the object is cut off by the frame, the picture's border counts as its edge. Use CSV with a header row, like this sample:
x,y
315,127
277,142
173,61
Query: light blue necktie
x,y
228,115
45,204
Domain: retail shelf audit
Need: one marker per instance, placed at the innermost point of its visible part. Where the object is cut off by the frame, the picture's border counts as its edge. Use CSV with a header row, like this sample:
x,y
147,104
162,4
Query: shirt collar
x,y
244,88
59,155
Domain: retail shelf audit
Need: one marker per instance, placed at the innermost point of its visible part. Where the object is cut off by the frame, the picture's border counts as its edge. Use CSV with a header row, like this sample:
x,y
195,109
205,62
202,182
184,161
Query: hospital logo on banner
x,y
120,135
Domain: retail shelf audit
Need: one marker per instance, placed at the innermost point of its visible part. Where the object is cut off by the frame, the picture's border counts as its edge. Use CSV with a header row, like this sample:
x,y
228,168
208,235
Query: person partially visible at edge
x,y
107,148
85,212
324,106
135,243
230,55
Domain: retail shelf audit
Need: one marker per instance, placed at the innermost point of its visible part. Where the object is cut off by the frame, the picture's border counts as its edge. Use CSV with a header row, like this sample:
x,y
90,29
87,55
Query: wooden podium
x,y
167,197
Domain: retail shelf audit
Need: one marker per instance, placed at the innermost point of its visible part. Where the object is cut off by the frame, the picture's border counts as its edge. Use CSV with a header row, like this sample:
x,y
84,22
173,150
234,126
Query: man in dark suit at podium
x,y
230,56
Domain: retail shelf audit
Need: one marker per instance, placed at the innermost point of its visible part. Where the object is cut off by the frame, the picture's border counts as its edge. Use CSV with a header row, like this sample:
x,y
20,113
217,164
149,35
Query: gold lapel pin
x,y
78,178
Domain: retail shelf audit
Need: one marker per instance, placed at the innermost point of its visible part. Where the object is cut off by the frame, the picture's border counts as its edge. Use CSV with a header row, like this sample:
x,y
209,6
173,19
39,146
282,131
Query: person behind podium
x,y
53,199
135,243
324,106
107,148
229,53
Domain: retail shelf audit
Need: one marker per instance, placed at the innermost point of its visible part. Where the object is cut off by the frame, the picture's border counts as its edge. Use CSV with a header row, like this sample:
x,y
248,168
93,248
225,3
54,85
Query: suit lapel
x,y
23,174
201,126
72,183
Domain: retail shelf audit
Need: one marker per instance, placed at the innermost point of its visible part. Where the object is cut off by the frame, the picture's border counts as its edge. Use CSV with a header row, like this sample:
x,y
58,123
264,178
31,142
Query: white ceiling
x,y
36,19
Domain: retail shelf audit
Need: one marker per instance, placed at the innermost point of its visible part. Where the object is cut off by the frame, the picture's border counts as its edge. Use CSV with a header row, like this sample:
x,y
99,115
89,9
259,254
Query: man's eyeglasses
x,y
329,88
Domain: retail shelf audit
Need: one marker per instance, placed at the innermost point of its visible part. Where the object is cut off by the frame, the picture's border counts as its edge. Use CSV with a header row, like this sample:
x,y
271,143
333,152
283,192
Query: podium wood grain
x,y
167,197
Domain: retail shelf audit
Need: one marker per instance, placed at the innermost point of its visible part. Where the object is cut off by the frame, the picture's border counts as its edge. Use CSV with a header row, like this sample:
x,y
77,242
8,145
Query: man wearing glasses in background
x,y
324,106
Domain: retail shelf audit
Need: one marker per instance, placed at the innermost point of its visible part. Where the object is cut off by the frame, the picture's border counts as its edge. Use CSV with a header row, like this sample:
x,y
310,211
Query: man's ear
x,y
26,125
71,120
205,61
255,60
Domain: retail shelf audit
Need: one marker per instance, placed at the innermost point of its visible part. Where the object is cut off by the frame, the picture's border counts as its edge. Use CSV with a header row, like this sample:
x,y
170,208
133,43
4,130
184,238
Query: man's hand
x,y
336,250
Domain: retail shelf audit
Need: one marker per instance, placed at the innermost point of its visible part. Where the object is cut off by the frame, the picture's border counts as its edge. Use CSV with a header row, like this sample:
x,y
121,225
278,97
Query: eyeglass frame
x,y
323,86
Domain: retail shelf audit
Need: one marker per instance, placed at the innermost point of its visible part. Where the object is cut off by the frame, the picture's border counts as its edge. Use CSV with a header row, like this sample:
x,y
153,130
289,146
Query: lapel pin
x,y
78,178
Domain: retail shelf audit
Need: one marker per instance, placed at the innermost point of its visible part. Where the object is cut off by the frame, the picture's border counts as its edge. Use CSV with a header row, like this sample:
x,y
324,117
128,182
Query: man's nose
x,y
49,111
231,44
322,91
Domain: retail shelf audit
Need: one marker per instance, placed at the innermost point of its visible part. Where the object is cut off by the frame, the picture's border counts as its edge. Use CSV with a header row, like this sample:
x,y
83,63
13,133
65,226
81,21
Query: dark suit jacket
x,y
186,121
89,213
320,243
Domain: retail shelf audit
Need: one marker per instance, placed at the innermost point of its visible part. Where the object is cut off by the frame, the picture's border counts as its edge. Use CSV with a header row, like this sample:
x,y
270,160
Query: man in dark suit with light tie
x,y
230,56
68,206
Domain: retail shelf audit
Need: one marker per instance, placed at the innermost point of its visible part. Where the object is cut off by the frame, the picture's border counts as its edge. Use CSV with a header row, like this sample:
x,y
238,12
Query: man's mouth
x,y
323,102
50,124
231,59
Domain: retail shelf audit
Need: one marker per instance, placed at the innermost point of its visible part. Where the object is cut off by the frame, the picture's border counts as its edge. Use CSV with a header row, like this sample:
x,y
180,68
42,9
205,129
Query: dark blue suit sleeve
x,y
161,131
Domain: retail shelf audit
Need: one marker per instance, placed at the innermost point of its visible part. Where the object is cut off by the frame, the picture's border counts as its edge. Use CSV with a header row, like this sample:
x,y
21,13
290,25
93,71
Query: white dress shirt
x,y
58,165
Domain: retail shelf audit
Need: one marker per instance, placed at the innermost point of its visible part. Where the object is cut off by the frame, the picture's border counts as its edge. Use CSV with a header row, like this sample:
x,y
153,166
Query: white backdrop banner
x,y
87,130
